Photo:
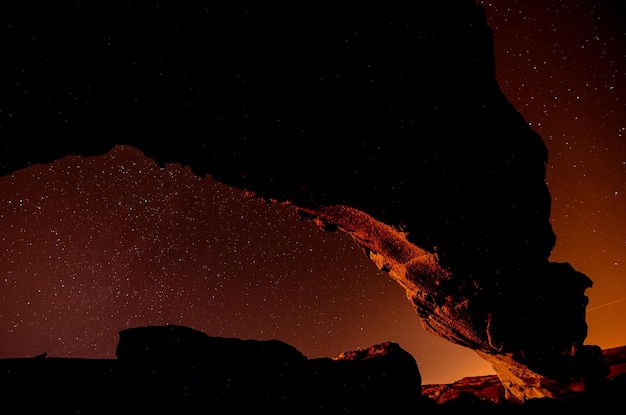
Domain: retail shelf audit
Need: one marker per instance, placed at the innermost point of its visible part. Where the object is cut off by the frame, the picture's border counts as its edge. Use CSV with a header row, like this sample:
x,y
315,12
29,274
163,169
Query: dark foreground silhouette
x,y
180,370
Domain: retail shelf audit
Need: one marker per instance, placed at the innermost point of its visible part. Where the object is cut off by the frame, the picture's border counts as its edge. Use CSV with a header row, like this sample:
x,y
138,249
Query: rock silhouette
x,y
182,370
385,122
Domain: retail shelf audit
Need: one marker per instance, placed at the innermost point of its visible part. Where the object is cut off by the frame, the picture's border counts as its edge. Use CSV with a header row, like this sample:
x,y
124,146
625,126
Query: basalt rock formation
x,y
382,121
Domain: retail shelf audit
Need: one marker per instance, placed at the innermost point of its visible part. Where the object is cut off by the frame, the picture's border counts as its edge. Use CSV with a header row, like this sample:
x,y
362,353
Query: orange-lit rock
x,y
484,387
490,388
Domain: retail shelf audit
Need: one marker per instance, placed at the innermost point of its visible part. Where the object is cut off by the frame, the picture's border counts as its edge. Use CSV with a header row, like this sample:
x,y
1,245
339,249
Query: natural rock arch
x,y
384,122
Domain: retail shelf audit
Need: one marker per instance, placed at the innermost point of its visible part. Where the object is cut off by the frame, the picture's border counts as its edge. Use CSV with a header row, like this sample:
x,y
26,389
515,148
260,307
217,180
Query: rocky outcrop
x,y
385,122
180,370
616,359
382,376
182,344
490,388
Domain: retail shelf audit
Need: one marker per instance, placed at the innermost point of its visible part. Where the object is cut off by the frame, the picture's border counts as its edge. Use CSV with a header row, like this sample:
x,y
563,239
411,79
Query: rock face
x,y
385,122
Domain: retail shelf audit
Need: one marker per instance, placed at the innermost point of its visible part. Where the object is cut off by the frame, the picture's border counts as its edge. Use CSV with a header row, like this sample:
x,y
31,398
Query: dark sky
x,y
93,246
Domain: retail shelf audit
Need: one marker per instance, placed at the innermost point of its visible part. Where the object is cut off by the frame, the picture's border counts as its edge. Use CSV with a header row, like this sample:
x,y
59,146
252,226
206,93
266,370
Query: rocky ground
x,y
179,369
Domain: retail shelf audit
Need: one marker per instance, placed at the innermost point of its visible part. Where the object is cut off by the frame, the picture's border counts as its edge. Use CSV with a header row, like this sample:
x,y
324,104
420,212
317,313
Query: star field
x,y
105,243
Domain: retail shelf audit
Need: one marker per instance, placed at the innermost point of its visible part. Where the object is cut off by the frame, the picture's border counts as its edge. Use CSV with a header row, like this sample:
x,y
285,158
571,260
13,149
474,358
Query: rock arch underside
x,y
384,121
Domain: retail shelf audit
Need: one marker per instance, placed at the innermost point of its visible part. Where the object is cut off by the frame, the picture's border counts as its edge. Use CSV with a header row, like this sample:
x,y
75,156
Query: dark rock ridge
x,y
182,344
177,368
180,370
383,121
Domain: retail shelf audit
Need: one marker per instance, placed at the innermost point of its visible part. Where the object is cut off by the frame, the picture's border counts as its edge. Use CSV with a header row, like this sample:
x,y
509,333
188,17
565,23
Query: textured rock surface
x,y
483,387
490,388
385,122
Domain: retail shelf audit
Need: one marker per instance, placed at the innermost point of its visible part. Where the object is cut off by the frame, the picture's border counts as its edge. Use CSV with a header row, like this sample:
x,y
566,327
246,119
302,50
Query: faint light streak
x,y
607,304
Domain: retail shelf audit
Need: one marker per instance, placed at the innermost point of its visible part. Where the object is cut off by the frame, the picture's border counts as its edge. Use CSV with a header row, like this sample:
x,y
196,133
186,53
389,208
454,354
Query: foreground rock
x,y
490,388
179,370
250,374
383,121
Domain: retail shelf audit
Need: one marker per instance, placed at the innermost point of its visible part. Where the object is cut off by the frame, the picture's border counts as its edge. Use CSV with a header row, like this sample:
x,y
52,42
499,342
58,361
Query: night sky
x,y
91,246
